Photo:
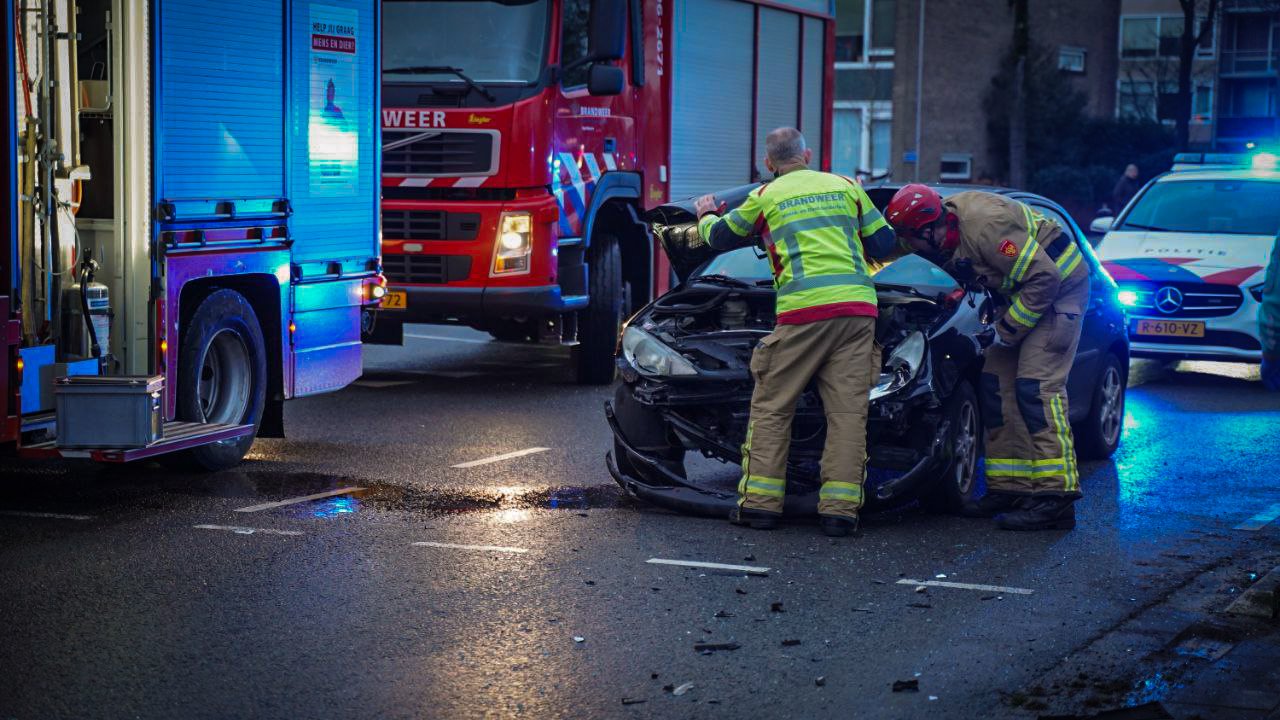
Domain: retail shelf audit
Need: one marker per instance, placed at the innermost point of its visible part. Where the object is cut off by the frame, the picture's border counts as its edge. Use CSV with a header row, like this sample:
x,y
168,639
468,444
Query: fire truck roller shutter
x,y
220,119
812,85
778,85
711,140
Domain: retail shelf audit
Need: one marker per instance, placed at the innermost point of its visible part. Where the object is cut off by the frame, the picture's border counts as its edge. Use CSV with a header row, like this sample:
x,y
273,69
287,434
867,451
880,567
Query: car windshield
x,y
489,41
1235,207
750,265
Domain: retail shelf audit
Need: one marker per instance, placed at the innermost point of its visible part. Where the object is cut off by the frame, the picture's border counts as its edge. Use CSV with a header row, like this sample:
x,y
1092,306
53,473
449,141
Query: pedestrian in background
x,y
1269,321
815,227
1126,187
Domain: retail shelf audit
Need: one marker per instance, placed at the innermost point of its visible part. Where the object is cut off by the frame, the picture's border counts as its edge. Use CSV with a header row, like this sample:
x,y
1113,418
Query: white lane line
x,y
469,341
1261,520
500,458
967,586
294,501
247,530
749,569
46,515
478,548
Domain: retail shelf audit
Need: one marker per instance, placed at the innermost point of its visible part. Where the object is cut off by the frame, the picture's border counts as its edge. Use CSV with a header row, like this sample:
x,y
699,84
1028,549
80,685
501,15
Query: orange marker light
x,y
164,346
292,327
21,365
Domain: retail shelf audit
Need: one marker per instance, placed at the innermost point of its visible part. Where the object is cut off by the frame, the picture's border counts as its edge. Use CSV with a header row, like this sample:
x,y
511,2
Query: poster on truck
x,y
333,135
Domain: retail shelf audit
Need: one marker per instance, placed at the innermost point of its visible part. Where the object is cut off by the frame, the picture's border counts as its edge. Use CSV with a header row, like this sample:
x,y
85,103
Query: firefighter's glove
x,y
1271,373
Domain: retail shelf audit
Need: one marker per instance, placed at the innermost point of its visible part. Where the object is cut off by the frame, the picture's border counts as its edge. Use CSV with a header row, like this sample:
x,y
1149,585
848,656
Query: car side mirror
x,y
1101,225
605,80
606,39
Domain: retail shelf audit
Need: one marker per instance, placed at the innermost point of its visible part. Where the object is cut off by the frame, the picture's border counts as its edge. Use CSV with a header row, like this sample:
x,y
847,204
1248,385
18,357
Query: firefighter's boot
x,y
1042,513
990,505
754,519
838,525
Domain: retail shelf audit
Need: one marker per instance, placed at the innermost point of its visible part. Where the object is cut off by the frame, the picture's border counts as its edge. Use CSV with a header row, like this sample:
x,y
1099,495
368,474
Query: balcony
x,y
1249,63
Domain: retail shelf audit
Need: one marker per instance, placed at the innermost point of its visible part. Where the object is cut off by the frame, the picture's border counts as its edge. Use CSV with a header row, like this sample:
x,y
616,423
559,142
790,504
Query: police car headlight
x,y
650,356
901,367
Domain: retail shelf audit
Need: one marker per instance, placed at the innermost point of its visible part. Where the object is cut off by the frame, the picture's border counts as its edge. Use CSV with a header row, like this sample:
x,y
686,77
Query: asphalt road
x,y
139,592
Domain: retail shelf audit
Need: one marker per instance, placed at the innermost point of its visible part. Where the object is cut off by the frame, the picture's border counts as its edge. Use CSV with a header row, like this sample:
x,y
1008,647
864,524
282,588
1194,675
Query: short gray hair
x,y
784,145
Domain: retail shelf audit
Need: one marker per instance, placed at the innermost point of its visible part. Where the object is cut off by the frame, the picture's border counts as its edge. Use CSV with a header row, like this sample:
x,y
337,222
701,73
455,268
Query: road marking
x,y
749,569
47,515
1261,520
469,341
247,530
967,586
478,548
500,458
295,501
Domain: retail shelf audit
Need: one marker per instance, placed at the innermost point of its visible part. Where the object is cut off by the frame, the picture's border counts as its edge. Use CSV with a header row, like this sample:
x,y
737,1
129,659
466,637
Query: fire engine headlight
x,y
514,244
651,356
901,367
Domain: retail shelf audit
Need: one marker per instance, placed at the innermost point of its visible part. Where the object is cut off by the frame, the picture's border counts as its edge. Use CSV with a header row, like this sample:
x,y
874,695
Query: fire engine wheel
x,y
958,483
222,375
602,321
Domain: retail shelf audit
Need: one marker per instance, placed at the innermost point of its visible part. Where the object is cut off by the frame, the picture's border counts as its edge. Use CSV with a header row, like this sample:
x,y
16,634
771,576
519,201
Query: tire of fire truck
x,y
600,323
958,483
222,376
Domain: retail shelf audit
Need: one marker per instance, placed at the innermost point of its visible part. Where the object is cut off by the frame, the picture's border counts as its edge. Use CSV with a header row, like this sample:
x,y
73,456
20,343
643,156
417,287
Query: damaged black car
x,y
685,384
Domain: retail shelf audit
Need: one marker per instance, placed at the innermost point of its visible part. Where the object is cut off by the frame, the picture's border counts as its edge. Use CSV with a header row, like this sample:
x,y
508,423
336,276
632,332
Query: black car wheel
x,y
958,483
1099,435
222,376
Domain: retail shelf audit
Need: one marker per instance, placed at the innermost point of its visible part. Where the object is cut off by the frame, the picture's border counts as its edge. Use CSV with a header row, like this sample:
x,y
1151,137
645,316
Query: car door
x,y
1094,338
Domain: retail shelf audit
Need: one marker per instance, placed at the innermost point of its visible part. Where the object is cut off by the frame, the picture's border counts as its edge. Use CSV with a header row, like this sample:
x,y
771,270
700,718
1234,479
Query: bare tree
x,y
1018,121
1192,39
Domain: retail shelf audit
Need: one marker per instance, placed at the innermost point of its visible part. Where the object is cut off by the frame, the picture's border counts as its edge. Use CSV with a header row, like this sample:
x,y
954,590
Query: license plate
x,y
1169,328
395,300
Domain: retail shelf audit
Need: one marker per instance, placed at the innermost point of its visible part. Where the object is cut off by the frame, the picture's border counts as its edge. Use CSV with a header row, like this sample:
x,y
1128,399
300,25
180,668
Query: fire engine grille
x,y
437,152
429,225
1184,299
426,269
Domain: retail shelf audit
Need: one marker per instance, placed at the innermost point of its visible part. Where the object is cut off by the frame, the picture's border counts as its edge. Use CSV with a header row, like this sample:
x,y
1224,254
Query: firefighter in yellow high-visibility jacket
x,y
1032,476
815,227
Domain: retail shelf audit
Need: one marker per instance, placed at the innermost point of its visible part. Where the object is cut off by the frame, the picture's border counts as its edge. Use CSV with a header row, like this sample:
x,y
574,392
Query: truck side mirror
x,y
608,32
605,80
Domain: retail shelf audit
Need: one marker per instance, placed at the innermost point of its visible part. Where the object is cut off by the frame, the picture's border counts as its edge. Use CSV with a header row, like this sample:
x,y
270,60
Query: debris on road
x,y
722,614
921,588
924,605
912,685
632,701
684,688
820,681
790,643
740,591
579,638
776,607
708,648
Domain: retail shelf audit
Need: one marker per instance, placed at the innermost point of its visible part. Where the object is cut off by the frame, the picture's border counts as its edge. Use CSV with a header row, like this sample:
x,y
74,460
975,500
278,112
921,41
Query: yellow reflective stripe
x,y
1072,480
767,486
835,490
1028,251
1069,260
737,223
1021,468
1025,461
1020,313
746,463
704,226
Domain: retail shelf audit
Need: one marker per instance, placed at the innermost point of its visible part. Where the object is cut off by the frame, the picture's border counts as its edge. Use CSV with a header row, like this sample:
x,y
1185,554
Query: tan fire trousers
x,y
841,355
1030,449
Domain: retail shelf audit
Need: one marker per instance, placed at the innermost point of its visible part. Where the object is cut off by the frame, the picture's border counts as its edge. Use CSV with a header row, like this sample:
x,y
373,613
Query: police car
x,y
1189,254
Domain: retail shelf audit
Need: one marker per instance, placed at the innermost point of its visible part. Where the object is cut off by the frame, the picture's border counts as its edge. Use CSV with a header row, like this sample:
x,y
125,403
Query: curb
x,y
1262,600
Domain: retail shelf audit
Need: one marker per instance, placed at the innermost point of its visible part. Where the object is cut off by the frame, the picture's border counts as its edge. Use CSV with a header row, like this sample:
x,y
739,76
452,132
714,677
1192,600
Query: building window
x,y
864,30
1071,59
1149,37
1137,101
861,137
1202,104
956,167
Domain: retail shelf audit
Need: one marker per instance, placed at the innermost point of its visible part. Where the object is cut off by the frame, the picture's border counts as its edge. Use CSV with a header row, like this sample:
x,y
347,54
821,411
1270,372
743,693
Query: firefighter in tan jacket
x,y
1032,476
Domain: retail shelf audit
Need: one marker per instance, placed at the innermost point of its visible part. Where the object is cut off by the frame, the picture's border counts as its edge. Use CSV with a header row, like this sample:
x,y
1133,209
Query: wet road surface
x,y
442,540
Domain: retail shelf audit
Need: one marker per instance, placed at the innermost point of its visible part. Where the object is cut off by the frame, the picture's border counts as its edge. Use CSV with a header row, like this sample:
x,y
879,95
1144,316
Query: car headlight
x,y
901,367
514,244
1256,291
651,356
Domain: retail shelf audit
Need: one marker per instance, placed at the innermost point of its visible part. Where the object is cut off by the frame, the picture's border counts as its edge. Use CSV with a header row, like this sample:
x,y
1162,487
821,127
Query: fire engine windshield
x,y
488,41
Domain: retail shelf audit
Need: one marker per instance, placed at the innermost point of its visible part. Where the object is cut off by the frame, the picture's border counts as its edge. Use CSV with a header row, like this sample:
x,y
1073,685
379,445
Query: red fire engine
x,y
523,141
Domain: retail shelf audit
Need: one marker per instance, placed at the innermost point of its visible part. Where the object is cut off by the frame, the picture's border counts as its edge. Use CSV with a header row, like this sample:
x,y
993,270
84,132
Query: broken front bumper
x,y
651,479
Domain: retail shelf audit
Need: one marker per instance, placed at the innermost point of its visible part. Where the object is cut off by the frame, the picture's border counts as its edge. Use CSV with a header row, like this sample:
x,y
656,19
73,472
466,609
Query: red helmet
x,y
913,207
